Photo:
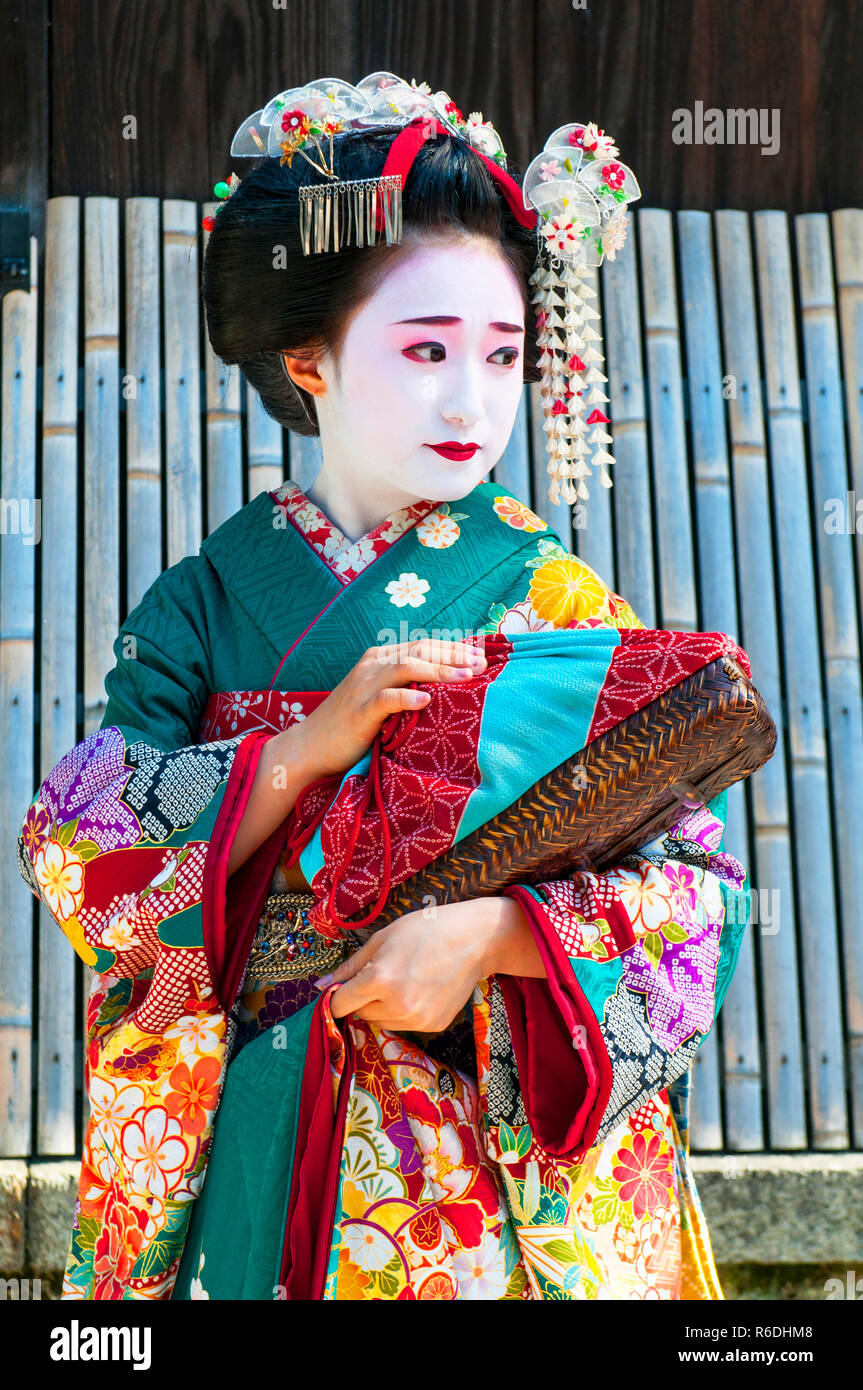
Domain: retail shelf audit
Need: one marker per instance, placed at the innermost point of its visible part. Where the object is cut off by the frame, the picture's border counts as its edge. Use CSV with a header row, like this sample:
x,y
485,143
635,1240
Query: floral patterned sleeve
x,y
638,957
117,845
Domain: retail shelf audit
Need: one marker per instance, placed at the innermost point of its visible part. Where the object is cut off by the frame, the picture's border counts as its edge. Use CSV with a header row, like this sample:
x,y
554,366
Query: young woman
x,y
484,1099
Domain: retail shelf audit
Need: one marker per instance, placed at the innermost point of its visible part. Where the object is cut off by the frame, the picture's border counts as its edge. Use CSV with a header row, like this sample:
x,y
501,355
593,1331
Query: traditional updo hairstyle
x,y
263,297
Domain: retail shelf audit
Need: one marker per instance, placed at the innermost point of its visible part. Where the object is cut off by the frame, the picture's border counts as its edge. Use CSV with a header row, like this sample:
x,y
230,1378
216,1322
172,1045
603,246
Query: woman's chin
x,y
449,479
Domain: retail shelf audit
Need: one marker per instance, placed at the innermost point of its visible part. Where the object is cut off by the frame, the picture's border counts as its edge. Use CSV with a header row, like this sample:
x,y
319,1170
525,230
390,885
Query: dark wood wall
x,y
190,72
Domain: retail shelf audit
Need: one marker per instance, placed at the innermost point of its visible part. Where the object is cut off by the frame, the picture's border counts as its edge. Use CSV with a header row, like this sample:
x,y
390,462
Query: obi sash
x,y
434,775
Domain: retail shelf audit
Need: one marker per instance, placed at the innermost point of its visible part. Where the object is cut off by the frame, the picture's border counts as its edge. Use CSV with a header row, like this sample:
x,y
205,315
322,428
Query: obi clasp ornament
x,y
285,947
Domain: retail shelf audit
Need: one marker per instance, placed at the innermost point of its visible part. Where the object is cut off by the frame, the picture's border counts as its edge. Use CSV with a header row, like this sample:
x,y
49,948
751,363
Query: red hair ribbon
x,y
403,152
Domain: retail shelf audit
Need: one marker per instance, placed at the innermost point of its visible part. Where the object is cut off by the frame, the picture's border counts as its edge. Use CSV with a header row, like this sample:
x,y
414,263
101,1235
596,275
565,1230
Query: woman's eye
x,y
513,356
427,347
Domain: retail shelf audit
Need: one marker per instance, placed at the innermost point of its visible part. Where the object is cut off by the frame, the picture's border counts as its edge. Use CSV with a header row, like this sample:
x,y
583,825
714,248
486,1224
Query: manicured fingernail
x,y
323,982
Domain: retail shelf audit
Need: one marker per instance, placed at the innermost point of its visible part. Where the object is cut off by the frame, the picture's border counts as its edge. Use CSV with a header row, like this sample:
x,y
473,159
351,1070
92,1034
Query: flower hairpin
x,y
580,190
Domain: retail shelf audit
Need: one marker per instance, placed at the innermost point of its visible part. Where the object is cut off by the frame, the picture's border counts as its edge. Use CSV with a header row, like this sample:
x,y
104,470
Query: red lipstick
x,y
450,449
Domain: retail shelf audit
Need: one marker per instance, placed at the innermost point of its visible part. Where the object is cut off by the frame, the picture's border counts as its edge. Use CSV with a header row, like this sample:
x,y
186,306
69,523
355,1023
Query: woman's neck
x,y
354,508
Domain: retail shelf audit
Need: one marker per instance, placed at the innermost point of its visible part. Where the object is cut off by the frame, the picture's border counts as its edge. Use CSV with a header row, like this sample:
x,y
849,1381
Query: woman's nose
x,y
463,403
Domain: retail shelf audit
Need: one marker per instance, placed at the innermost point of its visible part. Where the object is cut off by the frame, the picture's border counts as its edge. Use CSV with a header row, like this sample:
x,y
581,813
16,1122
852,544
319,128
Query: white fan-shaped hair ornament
x,y
330,105
580,190
299,120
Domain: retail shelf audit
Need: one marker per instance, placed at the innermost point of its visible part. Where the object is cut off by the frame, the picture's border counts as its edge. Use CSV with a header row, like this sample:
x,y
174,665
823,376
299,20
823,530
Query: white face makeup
x,y
404,386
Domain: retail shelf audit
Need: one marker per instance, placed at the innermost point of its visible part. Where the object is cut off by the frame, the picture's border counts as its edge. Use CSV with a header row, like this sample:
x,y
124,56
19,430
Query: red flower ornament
x,y
614,176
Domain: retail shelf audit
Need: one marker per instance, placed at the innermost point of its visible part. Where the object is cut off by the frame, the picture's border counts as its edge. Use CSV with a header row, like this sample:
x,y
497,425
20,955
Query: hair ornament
x,y
580,190
302,121
222,191
574,194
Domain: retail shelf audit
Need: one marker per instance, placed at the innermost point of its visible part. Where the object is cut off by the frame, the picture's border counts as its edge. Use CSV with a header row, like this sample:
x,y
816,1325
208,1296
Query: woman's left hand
x,y
417,974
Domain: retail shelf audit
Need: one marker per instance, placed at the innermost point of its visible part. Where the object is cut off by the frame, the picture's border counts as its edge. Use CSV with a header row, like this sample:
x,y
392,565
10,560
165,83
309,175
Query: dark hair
x,y
264,297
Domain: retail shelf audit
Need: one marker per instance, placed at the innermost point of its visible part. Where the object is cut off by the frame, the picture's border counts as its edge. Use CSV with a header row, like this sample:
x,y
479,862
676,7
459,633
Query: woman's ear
x,y
303,371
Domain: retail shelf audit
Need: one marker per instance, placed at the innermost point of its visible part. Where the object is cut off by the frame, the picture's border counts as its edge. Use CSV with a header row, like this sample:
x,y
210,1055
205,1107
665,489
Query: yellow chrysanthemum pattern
x,y
565,591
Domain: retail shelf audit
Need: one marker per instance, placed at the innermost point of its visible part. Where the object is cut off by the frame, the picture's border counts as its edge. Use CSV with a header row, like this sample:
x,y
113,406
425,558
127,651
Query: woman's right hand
x,y
343,727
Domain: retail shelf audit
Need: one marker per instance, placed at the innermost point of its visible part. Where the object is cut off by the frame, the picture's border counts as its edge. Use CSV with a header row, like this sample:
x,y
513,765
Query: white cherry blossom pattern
x,y
155,1151
238,709
354,557
112,1104
408,590
197,1033
119,934
60,875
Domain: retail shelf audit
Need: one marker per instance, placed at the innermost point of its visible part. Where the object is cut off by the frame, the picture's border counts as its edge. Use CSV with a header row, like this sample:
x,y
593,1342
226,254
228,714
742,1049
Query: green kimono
x,y
538,1148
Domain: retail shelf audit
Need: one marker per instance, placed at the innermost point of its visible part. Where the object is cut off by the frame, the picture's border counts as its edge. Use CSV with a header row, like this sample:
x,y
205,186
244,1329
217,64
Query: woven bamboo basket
x,y
621,790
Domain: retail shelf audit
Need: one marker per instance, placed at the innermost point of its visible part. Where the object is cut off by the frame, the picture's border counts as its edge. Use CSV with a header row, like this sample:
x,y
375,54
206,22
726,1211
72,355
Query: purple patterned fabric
x,y
679,988
94,775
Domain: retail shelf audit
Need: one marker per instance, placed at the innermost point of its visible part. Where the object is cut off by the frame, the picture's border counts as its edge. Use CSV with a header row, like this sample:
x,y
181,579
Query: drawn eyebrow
x,y
451,318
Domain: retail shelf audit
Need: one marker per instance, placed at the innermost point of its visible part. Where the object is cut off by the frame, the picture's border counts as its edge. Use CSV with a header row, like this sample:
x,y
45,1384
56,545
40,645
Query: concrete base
x,y
37,1205
770,1209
